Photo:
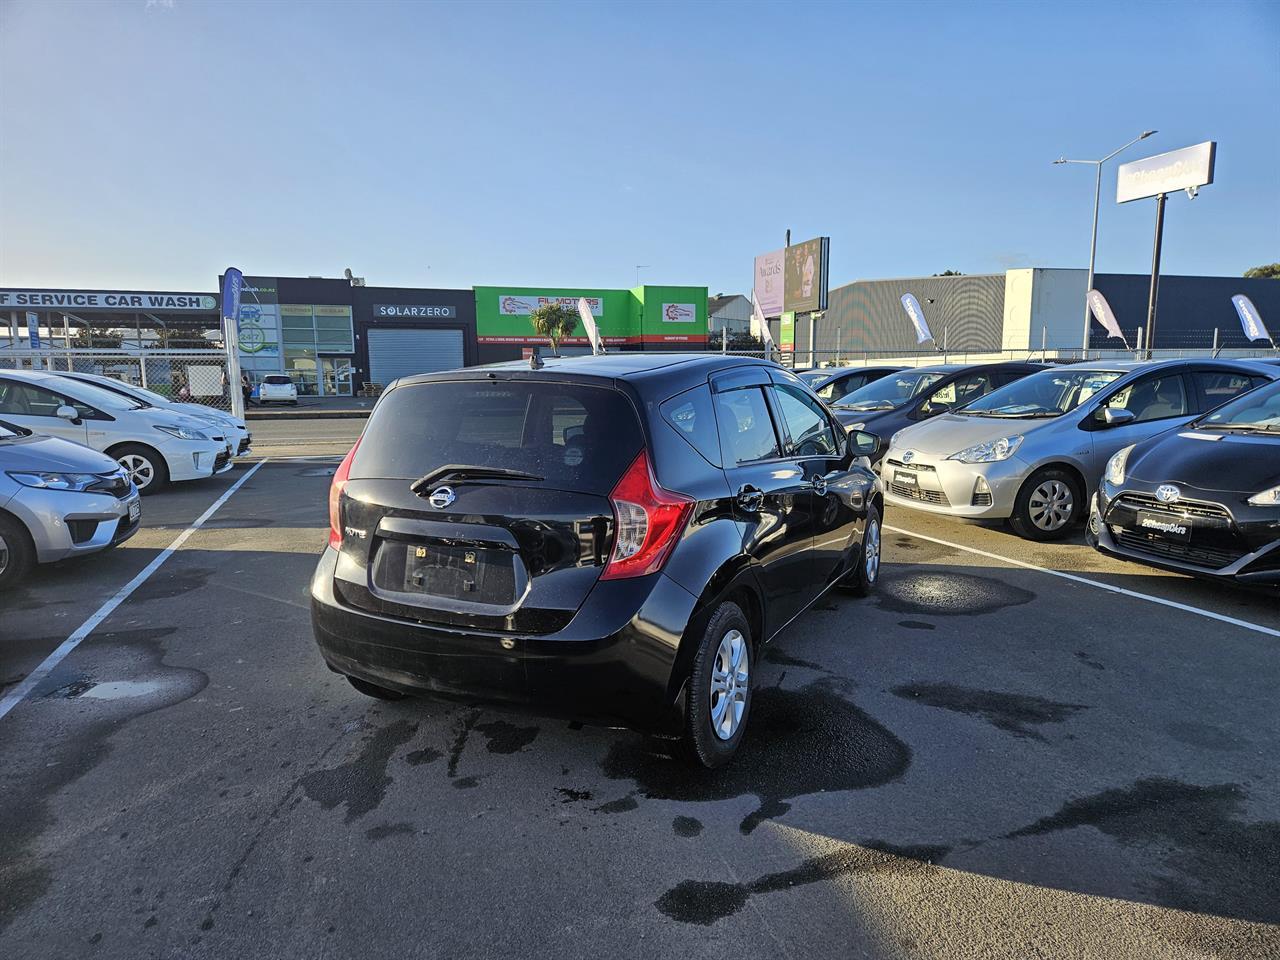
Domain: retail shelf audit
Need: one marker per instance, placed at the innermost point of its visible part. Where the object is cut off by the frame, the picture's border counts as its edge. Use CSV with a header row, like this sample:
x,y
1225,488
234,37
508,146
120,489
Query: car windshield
x,y
1049,393
891,392
95,396
1257,411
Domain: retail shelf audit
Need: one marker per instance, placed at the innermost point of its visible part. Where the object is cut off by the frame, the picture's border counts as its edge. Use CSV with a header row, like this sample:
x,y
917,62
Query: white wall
x,y
1057,307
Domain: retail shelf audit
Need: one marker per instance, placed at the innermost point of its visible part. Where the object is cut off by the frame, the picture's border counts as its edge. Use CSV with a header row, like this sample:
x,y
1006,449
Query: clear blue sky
x,y
149,145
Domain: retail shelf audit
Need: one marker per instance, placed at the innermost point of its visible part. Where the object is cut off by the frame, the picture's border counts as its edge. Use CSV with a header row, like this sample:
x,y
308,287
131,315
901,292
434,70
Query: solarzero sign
x,y
107,300
422,311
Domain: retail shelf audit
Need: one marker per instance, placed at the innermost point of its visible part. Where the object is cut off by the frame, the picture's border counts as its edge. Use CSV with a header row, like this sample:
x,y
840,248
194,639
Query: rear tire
x,y
1048,505
146,467
375,691
862,580
17,552
719,701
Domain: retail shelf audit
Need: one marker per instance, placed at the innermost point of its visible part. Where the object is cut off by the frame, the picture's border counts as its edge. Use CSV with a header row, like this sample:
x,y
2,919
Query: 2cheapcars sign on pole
x,y
1102,312
916,316
1250,319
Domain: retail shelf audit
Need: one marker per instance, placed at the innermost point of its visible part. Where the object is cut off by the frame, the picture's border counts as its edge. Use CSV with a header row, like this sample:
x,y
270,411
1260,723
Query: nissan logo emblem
x,y
441,497
1167,493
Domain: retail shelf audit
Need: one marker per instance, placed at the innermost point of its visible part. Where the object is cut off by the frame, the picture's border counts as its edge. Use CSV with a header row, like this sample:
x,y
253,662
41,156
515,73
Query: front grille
x,y
922,467
117,484
1179,508
81,530
908,492
982,500
1211,558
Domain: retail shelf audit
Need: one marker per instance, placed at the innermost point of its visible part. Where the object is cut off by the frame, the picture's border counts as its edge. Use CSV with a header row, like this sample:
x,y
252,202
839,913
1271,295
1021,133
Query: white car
x,y
235,430
277,388
154,446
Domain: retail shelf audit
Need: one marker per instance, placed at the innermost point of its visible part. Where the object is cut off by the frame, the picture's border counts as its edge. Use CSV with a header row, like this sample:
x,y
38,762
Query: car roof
x,y
617,366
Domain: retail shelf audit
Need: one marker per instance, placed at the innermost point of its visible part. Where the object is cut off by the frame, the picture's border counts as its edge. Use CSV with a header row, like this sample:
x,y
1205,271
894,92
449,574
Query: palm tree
x,y
555,322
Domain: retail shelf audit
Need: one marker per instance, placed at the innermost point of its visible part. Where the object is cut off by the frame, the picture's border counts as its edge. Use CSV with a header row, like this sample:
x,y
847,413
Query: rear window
x,y
277,381
691,415
575,437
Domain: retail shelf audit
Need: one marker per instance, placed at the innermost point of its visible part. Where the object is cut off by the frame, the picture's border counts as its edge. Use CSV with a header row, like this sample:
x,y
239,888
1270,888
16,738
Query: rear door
x,y
514,528
1215,386
772,495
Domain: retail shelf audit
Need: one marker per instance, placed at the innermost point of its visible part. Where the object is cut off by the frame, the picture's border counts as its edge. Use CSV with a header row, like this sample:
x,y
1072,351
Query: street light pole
x,y
1093,242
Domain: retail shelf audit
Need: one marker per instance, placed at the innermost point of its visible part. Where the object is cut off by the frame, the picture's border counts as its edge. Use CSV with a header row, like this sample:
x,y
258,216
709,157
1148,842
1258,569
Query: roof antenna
x,y
535,359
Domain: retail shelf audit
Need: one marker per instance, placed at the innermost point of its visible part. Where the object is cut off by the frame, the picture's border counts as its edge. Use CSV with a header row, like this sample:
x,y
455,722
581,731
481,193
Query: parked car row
x,y
77,450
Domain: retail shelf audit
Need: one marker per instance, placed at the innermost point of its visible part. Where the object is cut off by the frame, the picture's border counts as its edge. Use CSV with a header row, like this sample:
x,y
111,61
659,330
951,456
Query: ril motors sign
x,y
647,314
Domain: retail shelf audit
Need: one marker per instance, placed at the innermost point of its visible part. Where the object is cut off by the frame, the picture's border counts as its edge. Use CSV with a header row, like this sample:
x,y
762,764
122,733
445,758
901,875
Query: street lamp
x,y
1093,244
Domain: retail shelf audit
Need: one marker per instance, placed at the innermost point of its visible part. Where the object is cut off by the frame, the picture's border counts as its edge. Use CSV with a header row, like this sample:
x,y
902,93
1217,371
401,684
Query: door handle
x,y
750,498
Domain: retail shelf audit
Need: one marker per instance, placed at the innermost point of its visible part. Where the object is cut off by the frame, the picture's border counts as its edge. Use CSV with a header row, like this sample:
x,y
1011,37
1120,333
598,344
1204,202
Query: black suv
x,y
609,538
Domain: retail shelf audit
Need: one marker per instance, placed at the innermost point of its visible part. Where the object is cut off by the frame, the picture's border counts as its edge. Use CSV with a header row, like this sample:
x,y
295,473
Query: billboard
x,y
768,282
793,279
647,314
1166,172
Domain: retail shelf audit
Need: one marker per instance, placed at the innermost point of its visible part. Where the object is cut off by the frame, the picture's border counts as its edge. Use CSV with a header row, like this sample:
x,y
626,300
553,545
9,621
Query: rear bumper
x,y
602,668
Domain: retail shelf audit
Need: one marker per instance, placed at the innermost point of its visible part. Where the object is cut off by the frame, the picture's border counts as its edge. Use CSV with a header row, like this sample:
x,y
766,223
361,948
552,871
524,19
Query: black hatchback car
x,y
609,538
1203,499
887,405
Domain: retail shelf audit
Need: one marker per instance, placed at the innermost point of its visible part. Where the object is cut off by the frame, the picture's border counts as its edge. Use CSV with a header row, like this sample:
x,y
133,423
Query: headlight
x,y
1267,498
55,481
989,452
893,439
1115,466
182,433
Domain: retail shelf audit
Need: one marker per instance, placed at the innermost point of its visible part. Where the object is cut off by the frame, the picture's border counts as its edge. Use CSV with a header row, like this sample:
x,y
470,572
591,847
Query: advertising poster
x,y
769,282
787,333
259,319
804,277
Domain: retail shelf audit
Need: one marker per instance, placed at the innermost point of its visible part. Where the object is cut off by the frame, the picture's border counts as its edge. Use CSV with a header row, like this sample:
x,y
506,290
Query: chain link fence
x,y
183,376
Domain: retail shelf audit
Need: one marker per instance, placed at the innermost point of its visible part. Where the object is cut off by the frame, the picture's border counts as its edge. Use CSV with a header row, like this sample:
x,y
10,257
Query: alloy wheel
x,y
871,550
140,469
730,682
1051,505
4,555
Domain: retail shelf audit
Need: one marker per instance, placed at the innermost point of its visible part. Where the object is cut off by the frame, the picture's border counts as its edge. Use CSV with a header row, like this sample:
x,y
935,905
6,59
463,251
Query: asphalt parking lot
x,y
988,759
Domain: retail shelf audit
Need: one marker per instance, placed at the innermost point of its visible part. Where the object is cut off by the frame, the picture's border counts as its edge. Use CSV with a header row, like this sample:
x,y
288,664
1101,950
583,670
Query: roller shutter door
x,y
402,353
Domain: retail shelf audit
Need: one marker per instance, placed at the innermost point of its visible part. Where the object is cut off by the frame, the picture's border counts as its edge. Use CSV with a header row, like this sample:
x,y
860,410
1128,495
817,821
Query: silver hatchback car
x,y
58,499
1033,452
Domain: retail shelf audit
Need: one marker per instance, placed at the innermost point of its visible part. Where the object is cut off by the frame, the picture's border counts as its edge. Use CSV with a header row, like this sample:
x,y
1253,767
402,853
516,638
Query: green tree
x,y
1268,271
88,338
949,273
555,322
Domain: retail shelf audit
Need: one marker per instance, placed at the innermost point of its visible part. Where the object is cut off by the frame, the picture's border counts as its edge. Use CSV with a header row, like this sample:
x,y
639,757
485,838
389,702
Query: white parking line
x,y
1184,607
15,696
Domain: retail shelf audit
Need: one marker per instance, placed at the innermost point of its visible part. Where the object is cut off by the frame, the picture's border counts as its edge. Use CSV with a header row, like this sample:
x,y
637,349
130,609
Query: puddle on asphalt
x,y
948,594
799,742
122,689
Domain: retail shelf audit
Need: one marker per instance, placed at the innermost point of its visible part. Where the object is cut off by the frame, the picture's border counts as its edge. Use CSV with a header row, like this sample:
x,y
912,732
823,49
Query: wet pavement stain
x,y
384,830
504,737
166,586
1225,865
466,783
948,594
569,795
1204,735
1011,712
775,654
219,522
924,852
917,625
621,805
359,784
419,757
703,902
686,826
799,742
464,725
1084,657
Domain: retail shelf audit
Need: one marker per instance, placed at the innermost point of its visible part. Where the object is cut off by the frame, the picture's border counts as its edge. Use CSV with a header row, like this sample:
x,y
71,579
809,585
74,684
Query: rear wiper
x,y
460,471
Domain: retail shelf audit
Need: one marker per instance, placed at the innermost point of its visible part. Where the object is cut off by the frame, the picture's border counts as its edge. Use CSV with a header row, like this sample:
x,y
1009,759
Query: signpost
x,y
1187,169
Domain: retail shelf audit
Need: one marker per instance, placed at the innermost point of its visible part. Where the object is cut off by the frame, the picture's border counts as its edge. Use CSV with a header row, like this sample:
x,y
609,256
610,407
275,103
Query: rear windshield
x,y
277,381
575,437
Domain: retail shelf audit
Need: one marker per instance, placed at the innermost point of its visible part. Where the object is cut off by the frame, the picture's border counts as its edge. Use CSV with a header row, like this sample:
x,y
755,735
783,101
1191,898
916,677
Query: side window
x,y
811,433
958,393
746,429
1217,386
1152,398
691,415
25,400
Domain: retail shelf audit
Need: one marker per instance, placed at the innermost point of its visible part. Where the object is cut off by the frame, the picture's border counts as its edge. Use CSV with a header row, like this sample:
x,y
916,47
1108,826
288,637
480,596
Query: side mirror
x,y
68,413
865,444
1116,416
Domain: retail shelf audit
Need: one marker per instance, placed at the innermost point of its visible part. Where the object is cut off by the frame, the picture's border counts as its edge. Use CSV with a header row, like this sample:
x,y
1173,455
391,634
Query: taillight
x,y
648,522
335,496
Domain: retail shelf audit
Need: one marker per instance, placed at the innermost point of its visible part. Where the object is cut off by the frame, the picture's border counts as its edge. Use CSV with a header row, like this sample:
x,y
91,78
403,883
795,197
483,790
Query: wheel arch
x,y
734,581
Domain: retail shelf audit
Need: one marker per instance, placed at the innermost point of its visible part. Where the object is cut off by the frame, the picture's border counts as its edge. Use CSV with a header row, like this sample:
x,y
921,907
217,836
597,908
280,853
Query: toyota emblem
x,y
1167,493
908,456
441,497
